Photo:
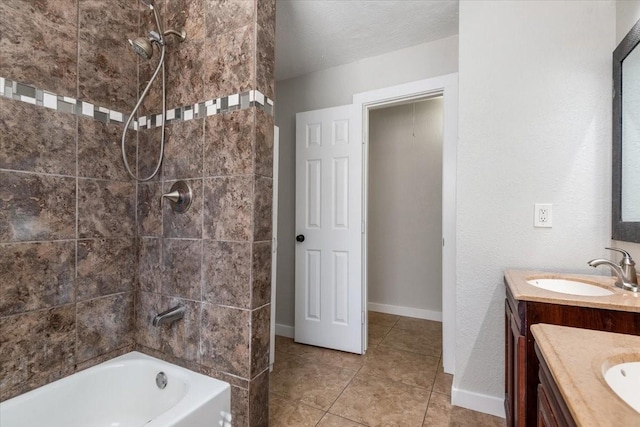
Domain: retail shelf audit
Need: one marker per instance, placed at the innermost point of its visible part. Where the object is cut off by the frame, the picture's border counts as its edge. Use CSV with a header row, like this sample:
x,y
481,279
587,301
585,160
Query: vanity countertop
x,y
620,300
576,358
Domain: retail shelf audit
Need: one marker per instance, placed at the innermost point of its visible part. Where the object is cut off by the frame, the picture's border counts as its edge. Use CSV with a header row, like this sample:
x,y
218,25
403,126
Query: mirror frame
x,y
626,231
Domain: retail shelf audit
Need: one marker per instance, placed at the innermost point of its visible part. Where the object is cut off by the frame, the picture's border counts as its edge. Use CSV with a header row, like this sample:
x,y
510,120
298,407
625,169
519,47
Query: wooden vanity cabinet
x,y
521,364
552,410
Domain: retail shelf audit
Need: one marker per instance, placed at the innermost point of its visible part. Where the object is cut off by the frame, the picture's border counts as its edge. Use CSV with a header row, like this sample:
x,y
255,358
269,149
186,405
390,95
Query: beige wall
x,y
405,206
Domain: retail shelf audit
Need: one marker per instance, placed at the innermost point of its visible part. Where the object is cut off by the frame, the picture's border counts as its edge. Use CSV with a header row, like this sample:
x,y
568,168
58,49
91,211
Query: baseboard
x,y
284,330
478,402
406,311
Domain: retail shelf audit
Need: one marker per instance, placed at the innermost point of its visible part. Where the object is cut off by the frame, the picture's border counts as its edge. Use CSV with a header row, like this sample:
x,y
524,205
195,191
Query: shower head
x,y
142,47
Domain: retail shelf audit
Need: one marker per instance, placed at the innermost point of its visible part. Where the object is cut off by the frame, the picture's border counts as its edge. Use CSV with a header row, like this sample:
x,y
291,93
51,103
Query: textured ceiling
x,y
312,35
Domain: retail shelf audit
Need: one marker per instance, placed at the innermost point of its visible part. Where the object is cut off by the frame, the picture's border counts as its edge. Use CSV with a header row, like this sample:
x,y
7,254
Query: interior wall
x,y
405,206
534,126
329,88
67,208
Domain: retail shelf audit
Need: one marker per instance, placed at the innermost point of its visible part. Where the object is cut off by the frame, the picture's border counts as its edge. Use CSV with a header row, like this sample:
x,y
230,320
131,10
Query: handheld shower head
x,y
142,47
149,3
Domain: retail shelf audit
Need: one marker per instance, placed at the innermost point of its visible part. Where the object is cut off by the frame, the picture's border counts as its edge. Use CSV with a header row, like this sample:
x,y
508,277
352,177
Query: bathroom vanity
x,y
573,389
526,305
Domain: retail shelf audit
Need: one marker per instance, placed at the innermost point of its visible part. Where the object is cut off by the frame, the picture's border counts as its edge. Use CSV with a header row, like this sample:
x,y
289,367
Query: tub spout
x,y
169,316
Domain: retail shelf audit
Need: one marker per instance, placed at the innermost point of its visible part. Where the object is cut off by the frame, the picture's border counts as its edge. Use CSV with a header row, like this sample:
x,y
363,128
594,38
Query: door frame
x,y
447,86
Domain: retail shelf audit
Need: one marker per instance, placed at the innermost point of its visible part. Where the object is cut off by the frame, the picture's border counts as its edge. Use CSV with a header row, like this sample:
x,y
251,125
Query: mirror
x,y
626,138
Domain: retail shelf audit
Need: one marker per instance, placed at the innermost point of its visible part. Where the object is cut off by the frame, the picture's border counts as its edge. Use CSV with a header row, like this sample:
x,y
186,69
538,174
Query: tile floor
x,y
400,381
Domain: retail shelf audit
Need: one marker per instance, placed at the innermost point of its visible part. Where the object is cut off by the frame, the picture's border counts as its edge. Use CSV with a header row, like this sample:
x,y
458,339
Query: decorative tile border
x,y
32,95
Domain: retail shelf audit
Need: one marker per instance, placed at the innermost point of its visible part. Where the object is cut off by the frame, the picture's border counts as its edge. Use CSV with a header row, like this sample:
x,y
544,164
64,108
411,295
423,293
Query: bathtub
x,y
122,392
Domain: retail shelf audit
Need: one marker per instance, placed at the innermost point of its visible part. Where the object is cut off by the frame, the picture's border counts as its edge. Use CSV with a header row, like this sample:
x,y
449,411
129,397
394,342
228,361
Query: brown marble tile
x,y
226,336
264,144
286,413
403,366
228,148
383,319
104,324
226,15
183,149
227,273
181,268
185,72
266,14
187,225
105,59
259,400
39,43
441,413
231,379
36,275
106,266
36,207
106,209
263,198
150,264
266,60
427,343
330,420
376,333
261,274
228,208
152,103
181,338
36,139
240,406
442,383
314,384
104,357
188,16
37,348
260,339
149,143
99,150
229,66
147,306
149,209
375,401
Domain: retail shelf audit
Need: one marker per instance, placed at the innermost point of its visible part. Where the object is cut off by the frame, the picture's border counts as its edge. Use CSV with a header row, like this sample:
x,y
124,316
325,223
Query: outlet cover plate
x,y
542,215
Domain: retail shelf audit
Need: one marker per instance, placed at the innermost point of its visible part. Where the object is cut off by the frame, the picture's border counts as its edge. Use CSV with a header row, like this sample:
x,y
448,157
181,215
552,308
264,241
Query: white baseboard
x,y
406,311
284,330
478,402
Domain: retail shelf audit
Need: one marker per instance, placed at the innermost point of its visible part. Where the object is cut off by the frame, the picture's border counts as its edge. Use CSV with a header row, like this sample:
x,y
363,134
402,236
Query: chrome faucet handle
x,y
627,264
626,256
180,196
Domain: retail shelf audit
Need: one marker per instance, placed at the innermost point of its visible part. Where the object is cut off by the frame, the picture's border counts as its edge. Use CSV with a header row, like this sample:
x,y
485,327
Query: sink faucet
x,y
625,271
169,316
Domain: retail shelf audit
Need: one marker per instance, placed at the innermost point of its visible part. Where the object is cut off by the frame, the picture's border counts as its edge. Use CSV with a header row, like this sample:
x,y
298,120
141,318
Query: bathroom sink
x,y
571,287
623,380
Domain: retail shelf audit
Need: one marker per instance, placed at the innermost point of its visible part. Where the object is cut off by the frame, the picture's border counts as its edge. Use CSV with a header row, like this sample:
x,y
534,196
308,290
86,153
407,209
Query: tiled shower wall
x,y
68,249
74,237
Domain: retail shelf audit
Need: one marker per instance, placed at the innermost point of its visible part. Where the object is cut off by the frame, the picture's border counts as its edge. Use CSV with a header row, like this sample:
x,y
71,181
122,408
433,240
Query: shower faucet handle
x,y
180,196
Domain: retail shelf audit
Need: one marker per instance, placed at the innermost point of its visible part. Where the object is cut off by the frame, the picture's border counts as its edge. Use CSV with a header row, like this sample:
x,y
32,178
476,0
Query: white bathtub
x,y
122,392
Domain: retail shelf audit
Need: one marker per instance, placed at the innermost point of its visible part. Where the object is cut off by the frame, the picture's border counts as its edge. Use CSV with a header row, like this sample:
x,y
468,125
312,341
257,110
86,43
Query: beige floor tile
x,y
335,358
330,420
428,343
418,325
397,365
284,413
315,384
377,333
441,413
287,345
382,318
442,384
380,402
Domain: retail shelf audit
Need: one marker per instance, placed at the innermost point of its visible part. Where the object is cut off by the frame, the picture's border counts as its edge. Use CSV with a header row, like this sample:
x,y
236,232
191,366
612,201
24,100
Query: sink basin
x,y
624,379
572,287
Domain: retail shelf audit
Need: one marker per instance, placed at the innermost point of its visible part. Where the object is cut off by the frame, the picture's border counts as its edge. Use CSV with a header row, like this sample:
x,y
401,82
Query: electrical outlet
x,y
542,215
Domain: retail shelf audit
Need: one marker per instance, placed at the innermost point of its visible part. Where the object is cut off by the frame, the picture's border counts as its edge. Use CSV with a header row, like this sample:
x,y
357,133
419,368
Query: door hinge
x,y
363,228
362,320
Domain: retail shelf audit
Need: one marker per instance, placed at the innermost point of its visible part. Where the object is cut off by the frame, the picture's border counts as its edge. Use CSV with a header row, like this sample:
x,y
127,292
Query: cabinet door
x,y
545,413
508,365
519,362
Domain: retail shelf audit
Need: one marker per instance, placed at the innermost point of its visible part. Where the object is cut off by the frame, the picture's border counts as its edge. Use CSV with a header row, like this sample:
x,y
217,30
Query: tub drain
x,y
161,380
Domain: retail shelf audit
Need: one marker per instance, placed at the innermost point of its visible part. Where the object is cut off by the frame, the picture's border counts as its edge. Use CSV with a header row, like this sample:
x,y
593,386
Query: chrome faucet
x,y
169,316
625,271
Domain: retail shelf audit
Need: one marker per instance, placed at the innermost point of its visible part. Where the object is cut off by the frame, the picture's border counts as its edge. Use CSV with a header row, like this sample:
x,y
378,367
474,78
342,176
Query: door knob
x,y
300,238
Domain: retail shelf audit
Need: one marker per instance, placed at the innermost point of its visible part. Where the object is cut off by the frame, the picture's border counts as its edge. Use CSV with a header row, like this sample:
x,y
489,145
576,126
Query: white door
x,y
328,309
